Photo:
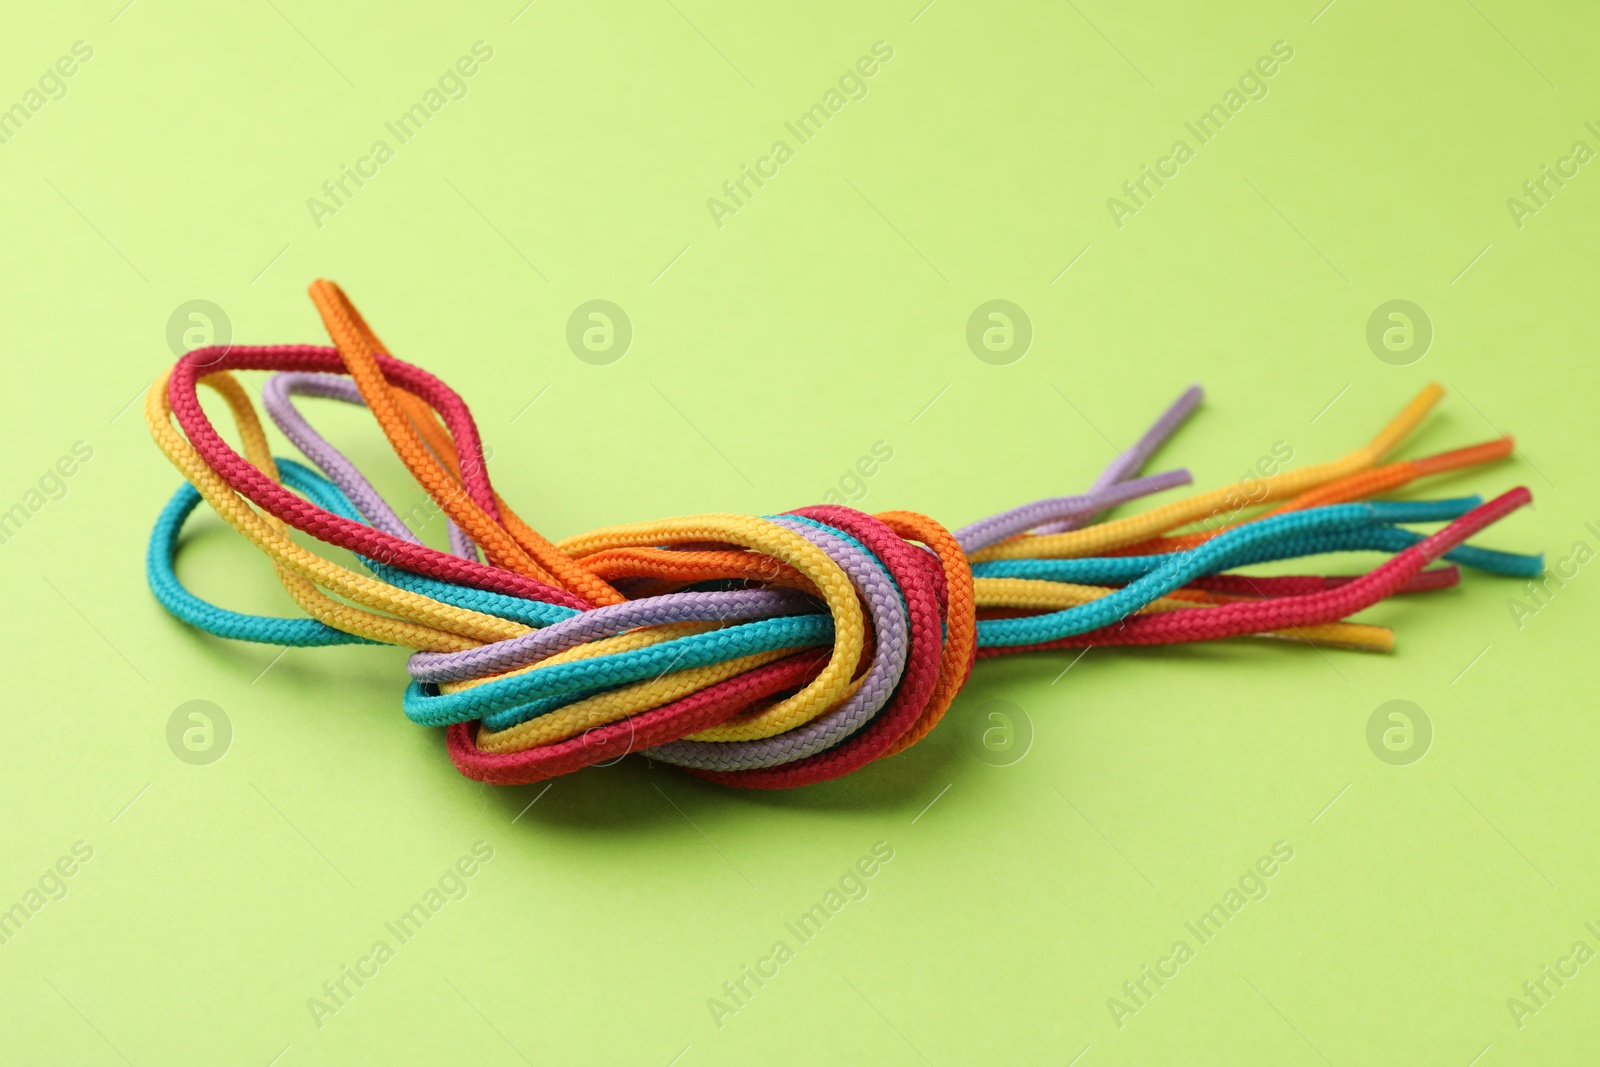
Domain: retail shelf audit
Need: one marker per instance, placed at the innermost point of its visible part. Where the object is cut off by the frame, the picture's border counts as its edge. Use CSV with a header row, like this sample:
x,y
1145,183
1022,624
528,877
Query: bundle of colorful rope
x,y
756,652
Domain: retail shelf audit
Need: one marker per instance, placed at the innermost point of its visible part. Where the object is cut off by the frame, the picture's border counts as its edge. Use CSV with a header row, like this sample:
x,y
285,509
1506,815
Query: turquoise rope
x,y
1424,510
203,615
1174,569
171,593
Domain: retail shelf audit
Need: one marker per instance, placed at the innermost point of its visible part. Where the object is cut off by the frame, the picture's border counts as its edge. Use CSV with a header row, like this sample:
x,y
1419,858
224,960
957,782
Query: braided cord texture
x,y
756,652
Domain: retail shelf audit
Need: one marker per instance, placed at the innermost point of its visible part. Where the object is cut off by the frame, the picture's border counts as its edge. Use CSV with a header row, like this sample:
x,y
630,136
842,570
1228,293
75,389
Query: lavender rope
x,y
277,393
738,605
996,528
1130,462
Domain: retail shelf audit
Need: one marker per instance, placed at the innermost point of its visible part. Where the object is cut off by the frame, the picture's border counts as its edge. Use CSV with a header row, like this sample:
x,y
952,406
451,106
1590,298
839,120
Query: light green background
x,y
823,317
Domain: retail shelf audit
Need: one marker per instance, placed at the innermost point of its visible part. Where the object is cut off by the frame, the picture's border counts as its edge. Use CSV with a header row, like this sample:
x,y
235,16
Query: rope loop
x,y
760,652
